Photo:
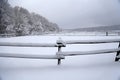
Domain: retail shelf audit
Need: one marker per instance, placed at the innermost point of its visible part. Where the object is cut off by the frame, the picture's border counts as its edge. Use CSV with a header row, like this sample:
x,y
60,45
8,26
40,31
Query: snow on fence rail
x,y
59,44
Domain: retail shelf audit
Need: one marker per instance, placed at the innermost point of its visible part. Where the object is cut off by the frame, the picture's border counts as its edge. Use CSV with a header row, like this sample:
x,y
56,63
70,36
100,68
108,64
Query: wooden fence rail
x,y
30,56
60,54
92,41
28,44
89,52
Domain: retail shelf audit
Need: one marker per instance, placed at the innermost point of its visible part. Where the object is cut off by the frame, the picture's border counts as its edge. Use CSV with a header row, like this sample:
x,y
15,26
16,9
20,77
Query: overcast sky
x,y
75,13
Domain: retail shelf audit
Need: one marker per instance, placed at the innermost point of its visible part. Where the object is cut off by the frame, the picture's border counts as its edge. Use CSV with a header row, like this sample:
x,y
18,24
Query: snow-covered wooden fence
x,y
60,54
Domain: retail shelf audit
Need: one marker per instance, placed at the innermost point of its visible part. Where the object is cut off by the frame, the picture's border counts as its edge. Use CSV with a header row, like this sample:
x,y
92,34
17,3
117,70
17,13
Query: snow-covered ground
x,y
87,67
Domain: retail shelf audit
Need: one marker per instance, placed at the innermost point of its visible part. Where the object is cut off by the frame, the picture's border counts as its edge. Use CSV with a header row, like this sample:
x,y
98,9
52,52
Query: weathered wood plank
x,y
89,52
92,41
10,55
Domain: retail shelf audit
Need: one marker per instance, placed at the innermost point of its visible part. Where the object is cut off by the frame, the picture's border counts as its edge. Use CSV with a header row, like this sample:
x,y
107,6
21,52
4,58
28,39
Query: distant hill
x,y
99,28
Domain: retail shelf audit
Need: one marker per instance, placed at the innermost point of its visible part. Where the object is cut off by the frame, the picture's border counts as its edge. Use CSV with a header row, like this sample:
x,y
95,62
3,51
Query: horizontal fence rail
x,y
75,53
91,41
28,44
60,54
30,56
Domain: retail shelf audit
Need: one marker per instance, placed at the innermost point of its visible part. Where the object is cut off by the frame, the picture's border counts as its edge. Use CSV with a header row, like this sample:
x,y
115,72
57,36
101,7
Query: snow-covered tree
x,y
20,21
3,15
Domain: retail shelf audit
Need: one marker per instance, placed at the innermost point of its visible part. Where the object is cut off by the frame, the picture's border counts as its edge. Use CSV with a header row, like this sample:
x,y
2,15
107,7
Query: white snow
x,y
83,67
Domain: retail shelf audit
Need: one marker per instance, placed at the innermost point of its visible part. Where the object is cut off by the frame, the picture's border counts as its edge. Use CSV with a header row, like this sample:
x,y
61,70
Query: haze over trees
x,y
19,21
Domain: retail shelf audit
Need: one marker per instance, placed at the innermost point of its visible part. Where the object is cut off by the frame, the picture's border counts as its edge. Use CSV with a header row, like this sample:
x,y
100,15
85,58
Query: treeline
x,y
18,21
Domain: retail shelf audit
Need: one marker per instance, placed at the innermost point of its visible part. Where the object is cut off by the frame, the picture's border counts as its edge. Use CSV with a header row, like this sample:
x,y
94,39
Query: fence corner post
x,y
118,53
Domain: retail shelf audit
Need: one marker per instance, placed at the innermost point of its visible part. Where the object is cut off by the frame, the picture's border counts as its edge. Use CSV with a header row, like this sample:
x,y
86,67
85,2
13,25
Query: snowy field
x,y
85,33
87,67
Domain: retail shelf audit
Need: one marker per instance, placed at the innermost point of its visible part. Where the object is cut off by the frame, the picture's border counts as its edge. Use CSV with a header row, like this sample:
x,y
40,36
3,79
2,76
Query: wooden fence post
x,y
118,53
60,44
106,33
59,50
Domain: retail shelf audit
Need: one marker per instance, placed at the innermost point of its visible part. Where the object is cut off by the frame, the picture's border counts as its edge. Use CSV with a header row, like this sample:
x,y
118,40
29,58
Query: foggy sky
x,y
75,13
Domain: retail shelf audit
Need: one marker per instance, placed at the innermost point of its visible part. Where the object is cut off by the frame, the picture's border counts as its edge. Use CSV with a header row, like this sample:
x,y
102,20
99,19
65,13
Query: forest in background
x,y
18,21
